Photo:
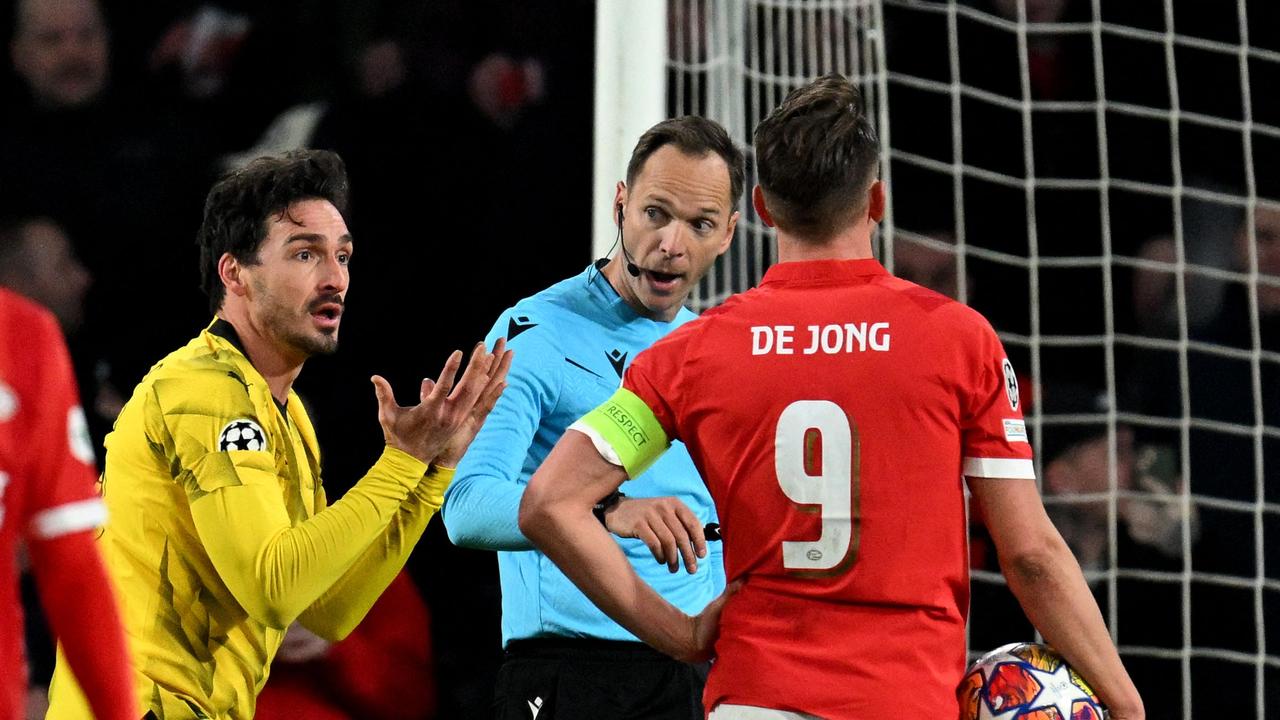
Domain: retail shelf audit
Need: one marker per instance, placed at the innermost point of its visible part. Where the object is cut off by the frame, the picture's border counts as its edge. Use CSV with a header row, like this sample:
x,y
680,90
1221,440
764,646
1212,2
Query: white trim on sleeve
x,y
1006,468
602,446
69,518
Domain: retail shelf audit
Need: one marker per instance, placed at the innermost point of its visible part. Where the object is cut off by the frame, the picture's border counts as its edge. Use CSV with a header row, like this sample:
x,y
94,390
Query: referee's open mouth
x,y
661,281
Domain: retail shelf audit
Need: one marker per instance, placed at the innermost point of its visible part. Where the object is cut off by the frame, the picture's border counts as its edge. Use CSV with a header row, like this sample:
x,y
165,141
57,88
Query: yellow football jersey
x,y
219,535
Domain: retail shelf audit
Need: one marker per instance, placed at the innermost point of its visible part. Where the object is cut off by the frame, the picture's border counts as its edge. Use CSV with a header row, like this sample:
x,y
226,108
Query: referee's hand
x,y
666,525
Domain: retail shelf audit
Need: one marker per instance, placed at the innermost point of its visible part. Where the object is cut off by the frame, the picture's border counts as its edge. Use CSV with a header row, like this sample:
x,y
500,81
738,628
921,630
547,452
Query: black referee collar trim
x,y
227,331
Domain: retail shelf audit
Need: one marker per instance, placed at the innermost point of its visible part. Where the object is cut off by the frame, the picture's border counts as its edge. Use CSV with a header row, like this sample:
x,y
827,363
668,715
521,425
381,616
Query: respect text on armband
x,y
627,424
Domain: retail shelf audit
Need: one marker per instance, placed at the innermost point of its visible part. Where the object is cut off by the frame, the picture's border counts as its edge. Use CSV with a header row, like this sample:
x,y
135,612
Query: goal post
x,y
1101,179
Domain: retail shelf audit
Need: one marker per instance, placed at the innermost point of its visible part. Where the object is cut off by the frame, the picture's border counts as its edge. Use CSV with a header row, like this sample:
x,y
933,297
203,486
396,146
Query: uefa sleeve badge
x,y
1011,384
242,434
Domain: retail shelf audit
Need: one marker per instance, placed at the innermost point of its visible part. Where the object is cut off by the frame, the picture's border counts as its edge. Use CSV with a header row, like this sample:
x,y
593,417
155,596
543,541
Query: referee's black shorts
x,y
572,679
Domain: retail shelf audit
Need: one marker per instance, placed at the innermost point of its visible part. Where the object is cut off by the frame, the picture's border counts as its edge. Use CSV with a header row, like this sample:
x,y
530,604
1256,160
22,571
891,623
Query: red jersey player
x,y
48,501
832,412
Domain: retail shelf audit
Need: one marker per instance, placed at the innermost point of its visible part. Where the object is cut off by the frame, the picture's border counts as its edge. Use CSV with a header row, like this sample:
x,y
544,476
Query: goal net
x,y
1099,178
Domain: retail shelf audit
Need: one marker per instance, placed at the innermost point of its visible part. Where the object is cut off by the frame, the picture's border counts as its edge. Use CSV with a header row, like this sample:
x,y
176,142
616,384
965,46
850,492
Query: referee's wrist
x,y
606,504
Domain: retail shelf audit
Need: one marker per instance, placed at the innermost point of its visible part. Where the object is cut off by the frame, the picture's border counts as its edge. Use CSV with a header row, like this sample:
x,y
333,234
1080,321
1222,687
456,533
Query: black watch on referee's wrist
x,y
605,505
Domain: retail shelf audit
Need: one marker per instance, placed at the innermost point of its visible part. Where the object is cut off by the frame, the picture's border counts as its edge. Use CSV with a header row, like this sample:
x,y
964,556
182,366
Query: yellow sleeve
x,y
275,569
340,609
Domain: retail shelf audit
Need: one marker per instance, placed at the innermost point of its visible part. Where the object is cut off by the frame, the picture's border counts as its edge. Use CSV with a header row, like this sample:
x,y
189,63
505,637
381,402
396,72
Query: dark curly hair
x,y
240,206
816,156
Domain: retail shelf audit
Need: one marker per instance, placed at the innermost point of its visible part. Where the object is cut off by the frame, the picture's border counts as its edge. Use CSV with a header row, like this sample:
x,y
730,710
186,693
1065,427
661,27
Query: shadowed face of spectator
x,y
1267,232
38,262
1038,11
927,265
60,50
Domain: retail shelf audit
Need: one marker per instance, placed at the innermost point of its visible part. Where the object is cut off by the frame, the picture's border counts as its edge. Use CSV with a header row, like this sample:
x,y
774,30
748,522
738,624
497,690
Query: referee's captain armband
x,y
625,431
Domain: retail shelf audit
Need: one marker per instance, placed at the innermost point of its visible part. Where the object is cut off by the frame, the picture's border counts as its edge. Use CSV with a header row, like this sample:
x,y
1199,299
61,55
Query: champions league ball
x,y
1026,681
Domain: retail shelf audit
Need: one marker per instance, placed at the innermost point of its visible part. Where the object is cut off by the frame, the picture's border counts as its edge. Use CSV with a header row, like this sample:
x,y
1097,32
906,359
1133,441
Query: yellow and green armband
x,y
625,431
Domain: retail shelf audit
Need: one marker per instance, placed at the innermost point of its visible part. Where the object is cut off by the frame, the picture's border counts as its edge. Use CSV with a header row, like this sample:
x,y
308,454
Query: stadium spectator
x,y
38,261
823,387
48,503
675,215
222,534
108,167
381,671
930,260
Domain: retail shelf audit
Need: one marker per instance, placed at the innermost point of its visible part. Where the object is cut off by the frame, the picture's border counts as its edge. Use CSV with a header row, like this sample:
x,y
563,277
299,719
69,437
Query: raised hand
x,y
466,432
423,430
666,525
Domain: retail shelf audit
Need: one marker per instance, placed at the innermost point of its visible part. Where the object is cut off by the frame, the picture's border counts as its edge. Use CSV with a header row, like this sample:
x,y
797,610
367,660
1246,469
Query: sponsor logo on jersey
x,y
78,438
517,325
1015,430
242,434
1011,385
617,359
535,707
8,402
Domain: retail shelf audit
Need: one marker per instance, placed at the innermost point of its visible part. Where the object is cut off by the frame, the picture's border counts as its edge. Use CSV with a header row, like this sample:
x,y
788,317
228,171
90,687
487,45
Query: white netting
x,y
1099,178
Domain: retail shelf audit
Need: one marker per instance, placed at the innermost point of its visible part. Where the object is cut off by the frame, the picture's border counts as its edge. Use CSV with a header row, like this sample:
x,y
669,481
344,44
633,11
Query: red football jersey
x,y
833,412
47,474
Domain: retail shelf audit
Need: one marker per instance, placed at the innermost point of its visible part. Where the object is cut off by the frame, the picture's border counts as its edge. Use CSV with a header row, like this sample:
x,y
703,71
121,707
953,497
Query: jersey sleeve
x,y
483,503
994,434
226,466
635,426
63,498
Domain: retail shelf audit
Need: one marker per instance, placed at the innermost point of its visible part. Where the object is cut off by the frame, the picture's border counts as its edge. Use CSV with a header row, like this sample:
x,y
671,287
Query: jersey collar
x,y
226,331
822,271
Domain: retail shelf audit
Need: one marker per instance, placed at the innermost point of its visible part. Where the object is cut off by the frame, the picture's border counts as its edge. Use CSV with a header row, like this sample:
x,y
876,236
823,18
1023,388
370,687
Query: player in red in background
x,y
833,412
48,501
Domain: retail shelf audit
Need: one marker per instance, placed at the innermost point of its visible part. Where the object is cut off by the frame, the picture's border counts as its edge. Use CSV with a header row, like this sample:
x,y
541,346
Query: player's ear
x,y
876,201
728,233
230,271
757,201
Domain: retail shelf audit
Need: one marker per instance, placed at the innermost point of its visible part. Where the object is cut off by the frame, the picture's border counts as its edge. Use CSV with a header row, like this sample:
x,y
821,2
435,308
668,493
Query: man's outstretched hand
x,y
440,427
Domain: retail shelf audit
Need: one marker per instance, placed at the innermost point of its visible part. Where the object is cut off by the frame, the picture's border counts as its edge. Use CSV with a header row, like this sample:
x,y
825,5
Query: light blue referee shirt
x,y
572,343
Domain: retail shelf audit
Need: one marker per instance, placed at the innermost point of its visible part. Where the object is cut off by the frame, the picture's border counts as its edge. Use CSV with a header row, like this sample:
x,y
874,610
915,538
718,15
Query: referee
x,y
572,342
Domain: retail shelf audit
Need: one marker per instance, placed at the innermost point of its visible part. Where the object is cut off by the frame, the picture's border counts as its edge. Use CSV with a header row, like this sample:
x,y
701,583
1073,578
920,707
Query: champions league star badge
x,y
1011,385
242,434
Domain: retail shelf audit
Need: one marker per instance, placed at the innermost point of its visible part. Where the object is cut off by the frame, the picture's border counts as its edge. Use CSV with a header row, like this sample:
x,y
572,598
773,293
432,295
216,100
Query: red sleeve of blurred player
x,y
383,669
63,510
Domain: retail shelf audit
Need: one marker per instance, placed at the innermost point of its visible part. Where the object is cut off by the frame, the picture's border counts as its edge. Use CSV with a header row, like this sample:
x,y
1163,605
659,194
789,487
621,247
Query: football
x,y
1026,681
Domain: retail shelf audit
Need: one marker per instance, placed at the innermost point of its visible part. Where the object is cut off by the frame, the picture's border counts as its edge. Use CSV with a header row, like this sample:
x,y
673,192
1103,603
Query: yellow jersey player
x,y
221,535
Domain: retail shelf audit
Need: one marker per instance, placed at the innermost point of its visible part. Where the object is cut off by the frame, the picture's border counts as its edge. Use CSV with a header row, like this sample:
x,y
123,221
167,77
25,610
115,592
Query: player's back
x,y
830,411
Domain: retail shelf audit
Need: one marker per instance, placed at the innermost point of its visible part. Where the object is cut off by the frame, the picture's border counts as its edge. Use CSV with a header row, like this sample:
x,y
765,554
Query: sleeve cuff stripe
x,y
602,446
70,518
1006,468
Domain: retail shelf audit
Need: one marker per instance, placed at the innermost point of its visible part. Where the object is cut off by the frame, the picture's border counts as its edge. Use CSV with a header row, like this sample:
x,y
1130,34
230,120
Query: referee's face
x,y
299,285
677,219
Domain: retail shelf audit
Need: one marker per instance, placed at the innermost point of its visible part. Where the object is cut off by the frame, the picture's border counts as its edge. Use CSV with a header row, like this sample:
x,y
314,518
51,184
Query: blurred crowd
x,y
1142,262
116,117
466,127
